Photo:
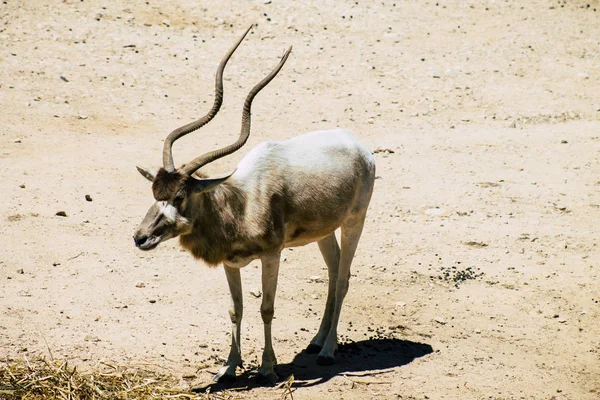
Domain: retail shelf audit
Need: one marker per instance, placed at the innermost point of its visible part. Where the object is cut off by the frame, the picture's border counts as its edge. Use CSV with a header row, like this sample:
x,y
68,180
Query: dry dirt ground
x,y
477,276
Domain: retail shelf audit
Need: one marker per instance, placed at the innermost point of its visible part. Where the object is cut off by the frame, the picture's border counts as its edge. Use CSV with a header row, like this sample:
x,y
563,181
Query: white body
x,y
310,168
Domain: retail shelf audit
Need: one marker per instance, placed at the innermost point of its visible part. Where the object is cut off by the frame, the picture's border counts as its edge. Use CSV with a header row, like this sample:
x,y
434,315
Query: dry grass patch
x,y
42,379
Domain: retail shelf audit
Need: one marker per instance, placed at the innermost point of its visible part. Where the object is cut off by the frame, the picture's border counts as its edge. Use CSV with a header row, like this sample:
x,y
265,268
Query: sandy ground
x,y
491,109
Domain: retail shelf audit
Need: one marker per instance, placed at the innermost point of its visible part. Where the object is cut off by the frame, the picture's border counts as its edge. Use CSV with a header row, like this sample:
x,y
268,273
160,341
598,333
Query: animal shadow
x,y
366,355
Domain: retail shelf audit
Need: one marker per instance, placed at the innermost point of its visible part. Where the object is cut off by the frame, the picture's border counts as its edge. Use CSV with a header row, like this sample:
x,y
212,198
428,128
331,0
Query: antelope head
x,y
172,213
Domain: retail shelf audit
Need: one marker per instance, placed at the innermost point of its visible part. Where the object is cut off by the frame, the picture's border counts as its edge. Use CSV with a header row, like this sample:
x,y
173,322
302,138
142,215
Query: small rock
x,y
488,184
140,284
88,197
316,279
151,301
22,186
477,331
383,150
256,293
440,320
20,271
314,296
61,214
400,304
91,338
476,244
64,79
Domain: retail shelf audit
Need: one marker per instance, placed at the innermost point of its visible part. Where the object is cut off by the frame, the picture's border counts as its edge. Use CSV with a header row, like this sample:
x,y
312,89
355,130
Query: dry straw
x,y
41,379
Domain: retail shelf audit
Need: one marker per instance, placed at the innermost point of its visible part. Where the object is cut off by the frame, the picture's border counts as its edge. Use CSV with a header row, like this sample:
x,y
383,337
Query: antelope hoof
x,y
313,348
325,360
225,375
268,379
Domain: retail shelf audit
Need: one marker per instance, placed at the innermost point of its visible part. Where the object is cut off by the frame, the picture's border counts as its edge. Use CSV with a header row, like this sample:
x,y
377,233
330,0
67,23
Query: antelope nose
x,y
140,240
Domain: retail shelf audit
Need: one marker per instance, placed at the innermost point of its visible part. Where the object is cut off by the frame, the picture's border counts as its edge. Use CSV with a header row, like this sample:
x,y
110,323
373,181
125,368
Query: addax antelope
x,y
282,194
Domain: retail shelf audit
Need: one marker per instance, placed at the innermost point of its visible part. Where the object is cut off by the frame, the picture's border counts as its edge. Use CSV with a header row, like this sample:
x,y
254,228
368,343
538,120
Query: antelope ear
x,y
197,185
145,173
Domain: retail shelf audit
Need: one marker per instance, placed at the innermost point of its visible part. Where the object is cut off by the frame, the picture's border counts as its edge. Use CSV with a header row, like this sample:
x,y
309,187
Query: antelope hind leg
x,y
350,234
331,254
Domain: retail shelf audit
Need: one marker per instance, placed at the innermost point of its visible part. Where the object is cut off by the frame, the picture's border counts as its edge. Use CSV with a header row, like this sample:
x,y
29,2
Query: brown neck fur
x,y
216,223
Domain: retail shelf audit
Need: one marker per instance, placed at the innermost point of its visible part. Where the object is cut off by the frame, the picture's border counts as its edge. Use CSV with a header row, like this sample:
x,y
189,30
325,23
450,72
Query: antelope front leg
x,y
227,372
270,270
